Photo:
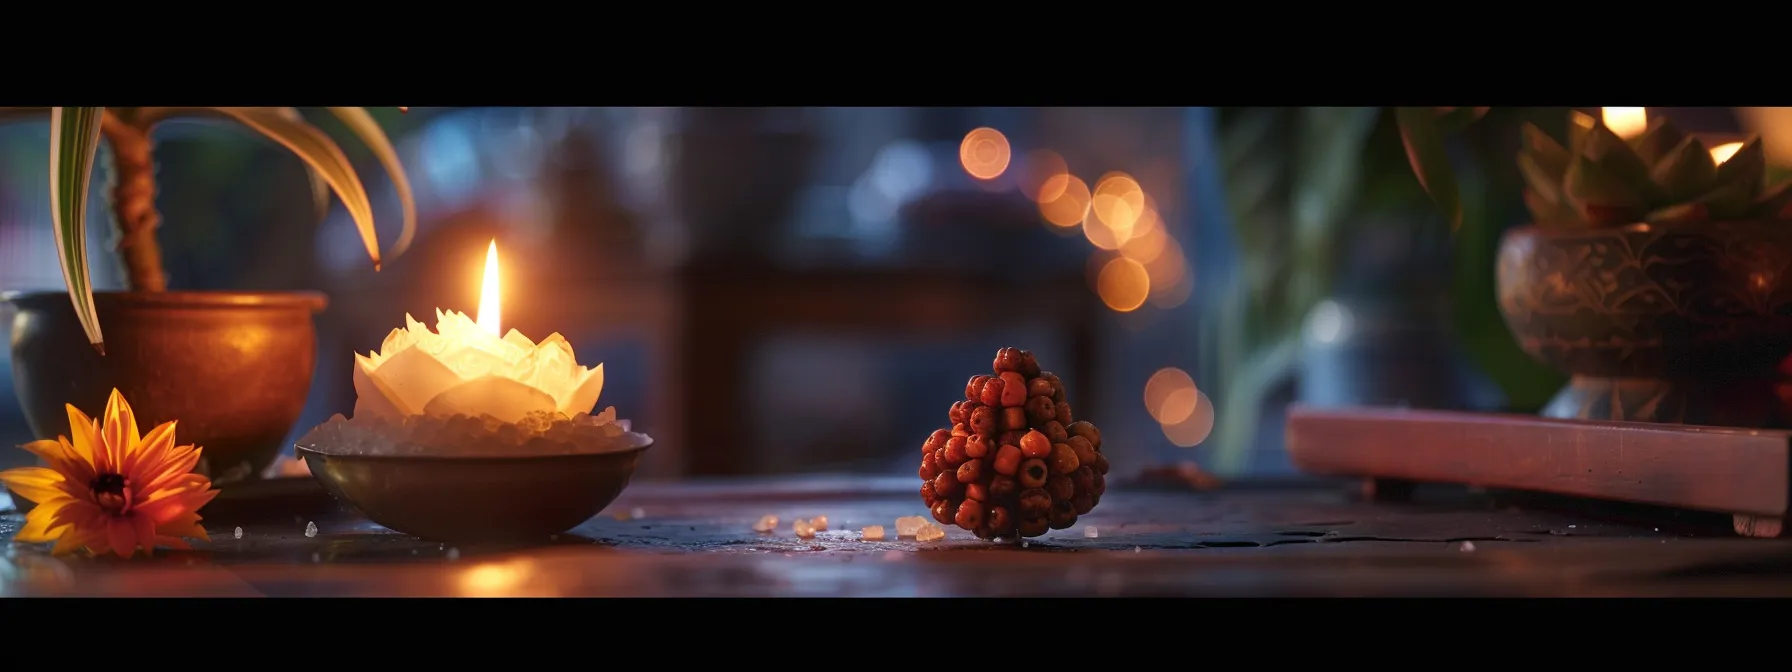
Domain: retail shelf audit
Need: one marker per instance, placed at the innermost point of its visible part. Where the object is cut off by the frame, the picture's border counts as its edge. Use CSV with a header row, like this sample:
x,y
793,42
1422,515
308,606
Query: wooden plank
x,y
1742,472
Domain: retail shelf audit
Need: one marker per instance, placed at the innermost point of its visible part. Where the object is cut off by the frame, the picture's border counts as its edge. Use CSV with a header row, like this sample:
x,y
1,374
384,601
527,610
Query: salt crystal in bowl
x,y
475,479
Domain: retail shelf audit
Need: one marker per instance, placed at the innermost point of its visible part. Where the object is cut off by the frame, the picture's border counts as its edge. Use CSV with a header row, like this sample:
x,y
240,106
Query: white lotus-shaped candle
x,y
460,368
463,367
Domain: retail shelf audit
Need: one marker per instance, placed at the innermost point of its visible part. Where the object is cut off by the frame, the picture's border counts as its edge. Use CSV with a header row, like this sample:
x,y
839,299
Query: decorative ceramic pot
x,y
234,368
1678,323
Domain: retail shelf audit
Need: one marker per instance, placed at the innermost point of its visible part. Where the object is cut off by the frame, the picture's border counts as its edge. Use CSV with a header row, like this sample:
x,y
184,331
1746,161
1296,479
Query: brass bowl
x,y
467,499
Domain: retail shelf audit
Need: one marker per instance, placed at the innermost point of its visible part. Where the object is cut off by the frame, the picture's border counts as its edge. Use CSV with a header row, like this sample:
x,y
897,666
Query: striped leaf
x,y
75,138
312,146
1425,151
358,120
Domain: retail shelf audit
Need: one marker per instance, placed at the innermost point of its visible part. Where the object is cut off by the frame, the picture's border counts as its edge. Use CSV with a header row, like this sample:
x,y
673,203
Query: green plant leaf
x,y
1430,163
1747,167
318,151
1598,197
75,134
358,120
1654,144
320,188
1617,159
1685,171
1452,119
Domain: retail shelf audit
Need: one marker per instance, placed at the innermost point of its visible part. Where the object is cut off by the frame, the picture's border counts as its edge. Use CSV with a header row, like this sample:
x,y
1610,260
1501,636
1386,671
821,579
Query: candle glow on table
x,y
465,368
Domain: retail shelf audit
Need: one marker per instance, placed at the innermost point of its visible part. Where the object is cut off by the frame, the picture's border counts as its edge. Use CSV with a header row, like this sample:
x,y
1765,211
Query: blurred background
x,y
790,290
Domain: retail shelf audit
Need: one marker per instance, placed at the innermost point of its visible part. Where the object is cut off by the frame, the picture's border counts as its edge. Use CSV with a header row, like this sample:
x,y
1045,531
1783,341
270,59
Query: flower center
x,y
109,491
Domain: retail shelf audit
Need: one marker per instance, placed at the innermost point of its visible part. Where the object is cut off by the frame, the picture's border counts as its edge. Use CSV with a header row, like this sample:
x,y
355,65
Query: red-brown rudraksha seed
x,y
1014,418
983,420
1014,389
1003,487
976,446
976,491
944,510
970,472
1007,359
969,515
1014,463
1063,514
1057,385
1088,431
1034,503
1082,503
1062,461
946,485
935,441
973,388
1033,473
1085,453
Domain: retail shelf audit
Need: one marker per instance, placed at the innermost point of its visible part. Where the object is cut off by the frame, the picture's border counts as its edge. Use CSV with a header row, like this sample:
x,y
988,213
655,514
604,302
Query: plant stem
x,y
134,215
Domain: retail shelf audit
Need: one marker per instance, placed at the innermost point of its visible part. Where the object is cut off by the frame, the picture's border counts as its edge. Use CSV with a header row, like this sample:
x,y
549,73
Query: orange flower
x,y
109,489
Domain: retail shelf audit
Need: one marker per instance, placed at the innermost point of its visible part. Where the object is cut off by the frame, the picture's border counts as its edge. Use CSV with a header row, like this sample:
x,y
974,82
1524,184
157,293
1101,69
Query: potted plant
x,y
234,368
1653,272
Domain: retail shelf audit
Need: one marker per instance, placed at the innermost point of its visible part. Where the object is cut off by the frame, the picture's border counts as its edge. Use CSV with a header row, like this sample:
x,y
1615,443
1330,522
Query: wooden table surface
x,y
696,539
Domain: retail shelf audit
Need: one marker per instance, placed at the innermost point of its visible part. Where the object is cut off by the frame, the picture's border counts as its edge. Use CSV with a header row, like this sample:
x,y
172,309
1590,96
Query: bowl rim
x,y
490,459
314,300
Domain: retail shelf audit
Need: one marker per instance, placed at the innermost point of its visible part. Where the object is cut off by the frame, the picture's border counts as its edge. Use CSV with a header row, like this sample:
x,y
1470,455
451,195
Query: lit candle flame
x,y
1723,152
1626,122
488,316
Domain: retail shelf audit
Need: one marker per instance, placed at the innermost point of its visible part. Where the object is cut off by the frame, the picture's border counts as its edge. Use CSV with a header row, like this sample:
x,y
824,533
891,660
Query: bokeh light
x,y
1037,169
1171,396
1626,122
1123,284
1115,206
1723,152
1148,238
1070,204
1196,427
985,153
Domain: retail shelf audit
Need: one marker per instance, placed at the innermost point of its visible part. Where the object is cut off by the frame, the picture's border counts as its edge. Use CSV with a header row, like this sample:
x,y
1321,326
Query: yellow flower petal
x,y
122,537
120,431
73,540
143,528
37,484
84,441
62,459
40,524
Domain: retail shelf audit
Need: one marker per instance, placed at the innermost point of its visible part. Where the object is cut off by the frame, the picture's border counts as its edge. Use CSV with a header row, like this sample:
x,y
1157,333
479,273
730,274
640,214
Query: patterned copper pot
x,y
1655,323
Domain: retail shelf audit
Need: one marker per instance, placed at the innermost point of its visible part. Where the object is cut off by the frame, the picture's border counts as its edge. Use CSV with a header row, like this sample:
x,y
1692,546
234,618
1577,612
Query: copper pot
x,y
1656,323
233,367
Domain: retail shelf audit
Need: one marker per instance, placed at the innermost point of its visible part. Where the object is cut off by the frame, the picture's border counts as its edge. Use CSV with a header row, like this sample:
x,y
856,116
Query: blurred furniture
x,y
729,311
